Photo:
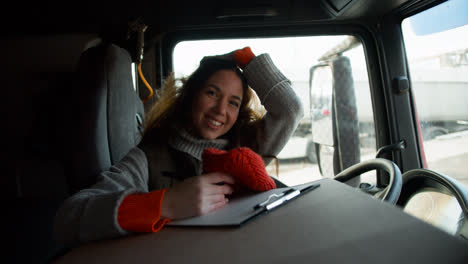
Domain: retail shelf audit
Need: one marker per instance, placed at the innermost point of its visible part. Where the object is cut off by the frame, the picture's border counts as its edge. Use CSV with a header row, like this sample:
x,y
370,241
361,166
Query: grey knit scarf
x,y
186,143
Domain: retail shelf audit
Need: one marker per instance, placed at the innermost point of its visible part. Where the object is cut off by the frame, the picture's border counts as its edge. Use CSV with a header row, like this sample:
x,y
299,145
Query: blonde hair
x,y
161,109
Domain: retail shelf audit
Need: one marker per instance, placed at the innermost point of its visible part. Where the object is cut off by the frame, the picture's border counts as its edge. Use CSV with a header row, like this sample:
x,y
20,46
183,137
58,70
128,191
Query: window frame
x,y
406,13
364,34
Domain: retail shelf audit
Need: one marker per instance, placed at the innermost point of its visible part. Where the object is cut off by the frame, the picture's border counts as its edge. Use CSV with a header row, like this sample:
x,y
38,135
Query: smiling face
x,y
216,106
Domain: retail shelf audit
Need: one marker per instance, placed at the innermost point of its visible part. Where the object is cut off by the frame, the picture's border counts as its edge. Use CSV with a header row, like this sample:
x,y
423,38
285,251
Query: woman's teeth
x,y
214,122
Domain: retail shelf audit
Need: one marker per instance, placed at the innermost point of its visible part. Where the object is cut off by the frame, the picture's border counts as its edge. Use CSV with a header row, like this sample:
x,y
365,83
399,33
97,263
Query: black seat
x,y
81,124
40,175
107,114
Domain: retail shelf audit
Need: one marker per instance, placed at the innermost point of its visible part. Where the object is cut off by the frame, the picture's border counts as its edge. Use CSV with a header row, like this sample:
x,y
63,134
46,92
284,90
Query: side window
x,y
296,57
437,49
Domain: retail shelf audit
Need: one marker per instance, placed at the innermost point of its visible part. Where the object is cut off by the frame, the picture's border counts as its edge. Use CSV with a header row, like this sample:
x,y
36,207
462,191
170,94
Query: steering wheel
x,y
388,194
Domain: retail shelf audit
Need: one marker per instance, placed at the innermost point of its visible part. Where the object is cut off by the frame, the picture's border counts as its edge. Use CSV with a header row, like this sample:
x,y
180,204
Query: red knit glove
x,y
243,163
243,57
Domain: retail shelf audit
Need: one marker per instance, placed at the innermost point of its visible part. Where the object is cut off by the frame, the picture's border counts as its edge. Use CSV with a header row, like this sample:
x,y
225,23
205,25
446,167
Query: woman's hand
x,y
197,195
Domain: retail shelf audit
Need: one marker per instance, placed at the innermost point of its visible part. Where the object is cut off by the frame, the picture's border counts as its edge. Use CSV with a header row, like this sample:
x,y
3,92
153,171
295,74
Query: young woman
x,y
161,179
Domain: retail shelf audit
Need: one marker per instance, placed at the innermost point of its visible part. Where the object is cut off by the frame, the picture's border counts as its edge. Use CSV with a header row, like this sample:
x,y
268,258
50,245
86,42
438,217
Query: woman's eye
x,y
235,104
211,92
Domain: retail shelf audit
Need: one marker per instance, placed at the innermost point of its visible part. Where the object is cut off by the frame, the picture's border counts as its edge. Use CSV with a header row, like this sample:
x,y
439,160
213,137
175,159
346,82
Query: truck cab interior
x,y
383,83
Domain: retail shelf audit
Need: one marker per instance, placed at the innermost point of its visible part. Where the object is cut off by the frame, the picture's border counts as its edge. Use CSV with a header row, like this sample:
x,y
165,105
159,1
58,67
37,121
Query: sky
x,y
434,44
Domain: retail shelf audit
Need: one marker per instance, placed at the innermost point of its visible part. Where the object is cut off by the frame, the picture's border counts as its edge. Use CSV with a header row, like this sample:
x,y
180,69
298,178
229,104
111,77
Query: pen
x,y
310,188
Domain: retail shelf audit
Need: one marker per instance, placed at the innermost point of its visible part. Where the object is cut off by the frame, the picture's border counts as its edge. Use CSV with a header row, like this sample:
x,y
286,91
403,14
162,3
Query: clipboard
x,y
243,208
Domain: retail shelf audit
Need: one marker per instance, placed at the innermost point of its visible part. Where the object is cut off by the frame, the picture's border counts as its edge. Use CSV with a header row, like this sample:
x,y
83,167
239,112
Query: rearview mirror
x,y
335,126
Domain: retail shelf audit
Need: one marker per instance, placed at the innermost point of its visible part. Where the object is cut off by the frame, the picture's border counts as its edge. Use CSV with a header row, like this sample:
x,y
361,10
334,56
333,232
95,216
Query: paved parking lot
x,y
295,171
448,154
455,167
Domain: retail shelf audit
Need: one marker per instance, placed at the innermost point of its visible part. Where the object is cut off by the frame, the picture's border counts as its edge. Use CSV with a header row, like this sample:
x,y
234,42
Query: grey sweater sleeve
x,y
91,214
284,108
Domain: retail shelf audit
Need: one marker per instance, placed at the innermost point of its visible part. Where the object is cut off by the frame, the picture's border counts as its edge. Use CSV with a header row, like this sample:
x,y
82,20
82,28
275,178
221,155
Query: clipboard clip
x,y
271,197
283,197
